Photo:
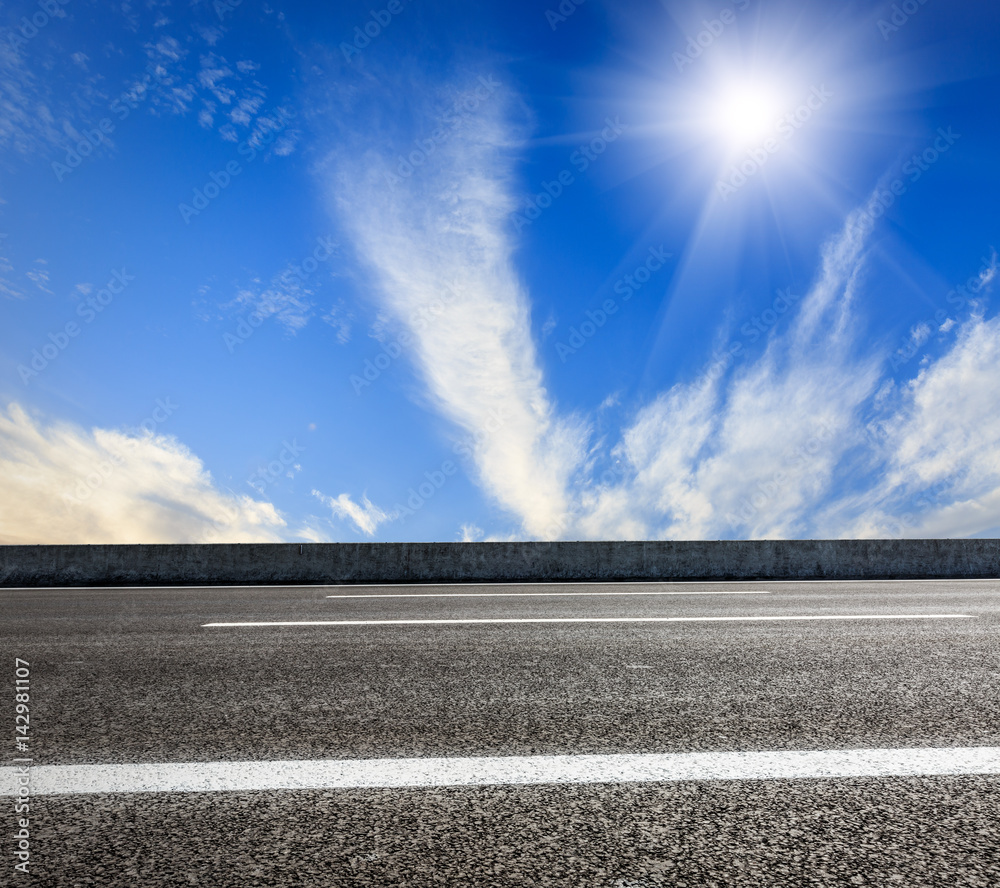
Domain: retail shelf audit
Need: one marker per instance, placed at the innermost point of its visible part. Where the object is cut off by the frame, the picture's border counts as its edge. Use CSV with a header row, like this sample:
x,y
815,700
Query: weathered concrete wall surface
x,y
253,564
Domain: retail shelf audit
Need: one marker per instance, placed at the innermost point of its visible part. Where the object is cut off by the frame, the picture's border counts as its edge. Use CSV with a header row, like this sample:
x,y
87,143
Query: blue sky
x,y
445,271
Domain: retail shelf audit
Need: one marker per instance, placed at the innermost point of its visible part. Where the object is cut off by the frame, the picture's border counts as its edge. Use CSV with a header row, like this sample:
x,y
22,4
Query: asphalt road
x,y
122,676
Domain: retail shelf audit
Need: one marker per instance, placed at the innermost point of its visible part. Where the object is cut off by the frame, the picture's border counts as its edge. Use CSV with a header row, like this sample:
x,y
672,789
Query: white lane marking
x,y
431,585
593,620
487,770
539,594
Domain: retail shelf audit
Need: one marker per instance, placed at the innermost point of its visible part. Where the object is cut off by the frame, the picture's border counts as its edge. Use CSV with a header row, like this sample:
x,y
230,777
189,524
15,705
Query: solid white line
x,y
594,620
430,585
539,594
503,770
776,582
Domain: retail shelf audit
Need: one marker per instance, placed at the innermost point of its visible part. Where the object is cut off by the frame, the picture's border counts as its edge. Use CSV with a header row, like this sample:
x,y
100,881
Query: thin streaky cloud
x,y
441,238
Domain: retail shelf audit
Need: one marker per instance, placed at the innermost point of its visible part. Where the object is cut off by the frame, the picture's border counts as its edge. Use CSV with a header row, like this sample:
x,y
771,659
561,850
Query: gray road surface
x,y
135,676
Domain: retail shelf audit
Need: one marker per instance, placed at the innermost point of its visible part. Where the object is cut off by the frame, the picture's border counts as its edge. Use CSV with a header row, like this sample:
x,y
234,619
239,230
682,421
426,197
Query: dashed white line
x,y
590,620
503,770
540,594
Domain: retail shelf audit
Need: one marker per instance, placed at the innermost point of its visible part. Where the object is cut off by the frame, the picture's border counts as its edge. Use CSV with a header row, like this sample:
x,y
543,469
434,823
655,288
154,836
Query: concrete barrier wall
x,y
253,564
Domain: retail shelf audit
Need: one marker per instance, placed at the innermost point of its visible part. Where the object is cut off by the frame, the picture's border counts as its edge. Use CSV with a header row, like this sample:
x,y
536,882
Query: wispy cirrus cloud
x,y
753,452
54,95
937,442
814,438
444,232
290,295
780,446
34,117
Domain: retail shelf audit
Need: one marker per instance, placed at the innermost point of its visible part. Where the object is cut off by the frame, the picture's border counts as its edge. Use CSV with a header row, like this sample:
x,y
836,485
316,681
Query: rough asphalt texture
x,y
131,676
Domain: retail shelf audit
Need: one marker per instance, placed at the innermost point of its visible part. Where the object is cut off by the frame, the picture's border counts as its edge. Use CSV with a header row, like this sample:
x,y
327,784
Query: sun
x,y
744,113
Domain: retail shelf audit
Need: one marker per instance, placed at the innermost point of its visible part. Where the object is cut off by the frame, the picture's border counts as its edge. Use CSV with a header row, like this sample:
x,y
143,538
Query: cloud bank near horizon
x,y
73,485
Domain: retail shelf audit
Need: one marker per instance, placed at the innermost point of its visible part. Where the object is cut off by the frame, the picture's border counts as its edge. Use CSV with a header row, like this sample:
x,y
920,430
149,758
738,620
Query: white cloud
x,y
39,276
366,517
550,324
33,107
752,453
8,288
339,318
210,35
989,272
65,484
290,294
275,126
290,302
213,71
166,47
940,448
811,438
251,103
920,334
470,533
441,239
227,88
